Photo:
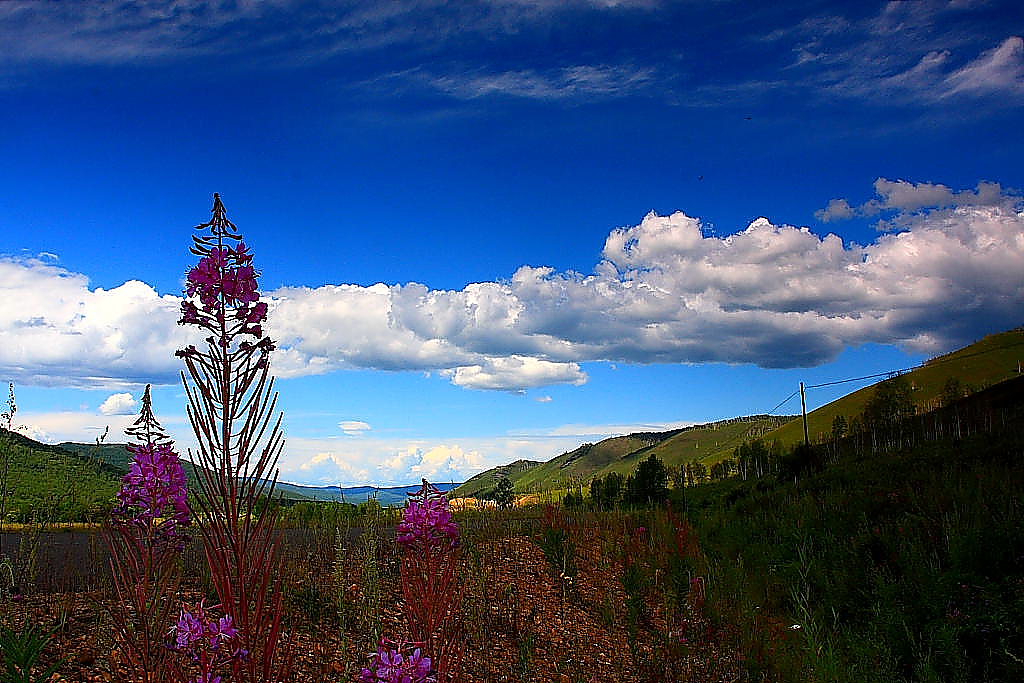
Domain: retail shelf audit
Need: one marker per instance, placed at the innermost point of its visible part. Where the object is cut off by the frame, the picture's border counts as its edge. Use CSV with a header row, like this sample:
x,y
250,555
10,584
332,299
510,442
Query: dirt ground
x,y
522,621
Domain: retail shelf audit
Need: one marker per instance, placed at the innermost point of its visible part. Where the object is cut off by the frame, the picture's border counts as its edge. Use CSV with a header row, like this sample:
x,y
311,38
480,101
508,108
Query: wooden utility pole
x,y
803,409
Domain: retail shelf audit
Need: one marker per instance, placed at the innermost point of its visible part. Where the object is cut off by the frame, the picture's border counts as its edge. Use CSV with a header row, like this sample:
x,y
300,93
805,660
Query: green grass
x,y
708,443
984,363
487,480
49,483
581,463
895,567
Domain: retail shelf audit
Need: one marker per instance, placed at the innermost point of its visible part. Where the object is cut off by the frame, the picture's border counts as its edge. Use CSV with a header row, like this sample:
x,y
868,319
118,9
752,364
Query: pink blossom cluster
x,y
390,665
211,642
428,523
154,493
225,277
226,271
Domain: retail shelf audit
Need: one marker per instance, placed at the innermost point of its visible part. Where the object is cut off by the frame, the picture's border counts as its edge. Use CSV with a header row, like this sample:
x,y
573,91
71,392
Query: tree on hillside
x,y
753,459
723,469
696,472
608,489
952,391
650,482
503,493
839,427
892,401
597,492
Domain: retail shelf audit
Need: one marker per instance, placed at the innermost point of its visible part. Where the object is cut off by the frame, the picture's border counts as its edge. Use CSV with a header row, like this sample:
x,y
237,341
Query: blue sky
x,y
500,229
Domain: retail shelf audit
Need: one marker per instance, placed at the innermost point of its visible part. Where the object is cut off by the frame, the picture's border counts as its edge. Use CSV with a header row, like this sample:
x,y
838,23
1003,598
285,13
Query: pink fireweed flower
x,y
225,272
390,665
154,493
428,523
253,314
209,641
221,630
189,629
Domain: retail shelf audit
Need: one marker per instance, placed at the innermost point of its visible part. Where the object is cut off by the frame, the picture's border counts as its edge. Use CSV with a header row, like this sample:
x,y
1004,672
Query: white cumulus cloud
x,y
443,462
119,404
394,462
946,271
56,331
516,372
837,210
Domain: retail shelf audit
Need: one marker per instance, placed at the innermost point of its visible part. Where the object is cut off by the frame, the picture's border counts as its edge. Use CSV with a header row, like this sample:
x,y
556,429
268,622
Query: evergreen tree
x,y
651,481
503,493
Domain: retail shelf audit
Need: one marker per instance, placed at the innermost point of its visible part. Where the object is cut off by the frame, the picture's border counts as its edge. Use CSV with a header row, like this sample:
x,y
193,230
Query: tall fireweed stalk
x,y
429,538
231,405
145,535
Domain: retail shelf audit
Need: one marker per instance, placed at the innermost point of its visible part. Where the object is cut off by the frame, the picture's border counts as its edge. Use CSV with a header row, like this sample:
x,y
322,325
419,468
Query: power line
x,y
927,363
889,373
783,402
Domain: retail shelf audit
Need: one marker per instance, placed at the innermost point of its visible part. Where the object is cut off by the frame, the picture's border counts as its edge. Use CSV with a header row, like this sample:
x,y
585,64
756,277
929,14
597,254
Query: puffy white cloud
x,y
516,372
908,197
393,462
78,426
56,331
327,469
354,427
948,270
119,404
443,462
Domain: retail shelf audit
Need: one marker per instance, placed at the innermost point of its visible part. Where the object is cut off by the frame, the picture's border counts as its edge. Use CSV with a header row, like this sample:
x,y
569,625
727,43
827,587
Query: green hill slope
x,y
708,442
487,480
984,363
580,464
116,455
50,483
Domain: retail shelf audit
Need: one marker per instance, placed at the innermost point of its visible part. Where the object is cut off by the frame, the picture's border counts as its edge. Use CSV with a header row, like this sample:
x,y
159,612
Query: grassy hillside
x,y
581,463
50,483
486,481
984,363
709,442
898,565
116,455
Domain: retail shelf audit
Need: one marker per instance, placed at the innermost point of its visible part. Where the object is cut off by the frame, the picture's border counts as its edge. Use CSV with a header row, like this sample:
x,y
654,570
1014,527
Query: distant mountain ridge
x,y
991,360
44,474
623,453
116,455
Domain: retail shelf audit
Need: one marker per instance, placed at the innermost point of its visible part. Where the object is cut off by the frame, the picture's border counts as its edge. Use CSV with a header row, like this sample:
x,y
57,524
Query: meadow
x,y
887,550
900,562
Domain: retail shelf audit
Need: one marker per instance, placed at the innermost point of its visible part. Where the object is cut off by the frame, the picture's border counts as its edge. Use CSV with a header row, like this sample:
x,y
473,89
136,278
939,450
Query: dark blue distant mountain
x,y
117,455
391,495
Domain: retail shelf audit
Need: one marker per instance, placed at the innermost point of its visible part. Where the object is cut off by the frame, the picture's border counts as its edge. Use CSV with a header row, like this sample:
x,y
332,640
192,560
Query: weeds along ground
x,y
907,566
546,596
902,567
904,563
